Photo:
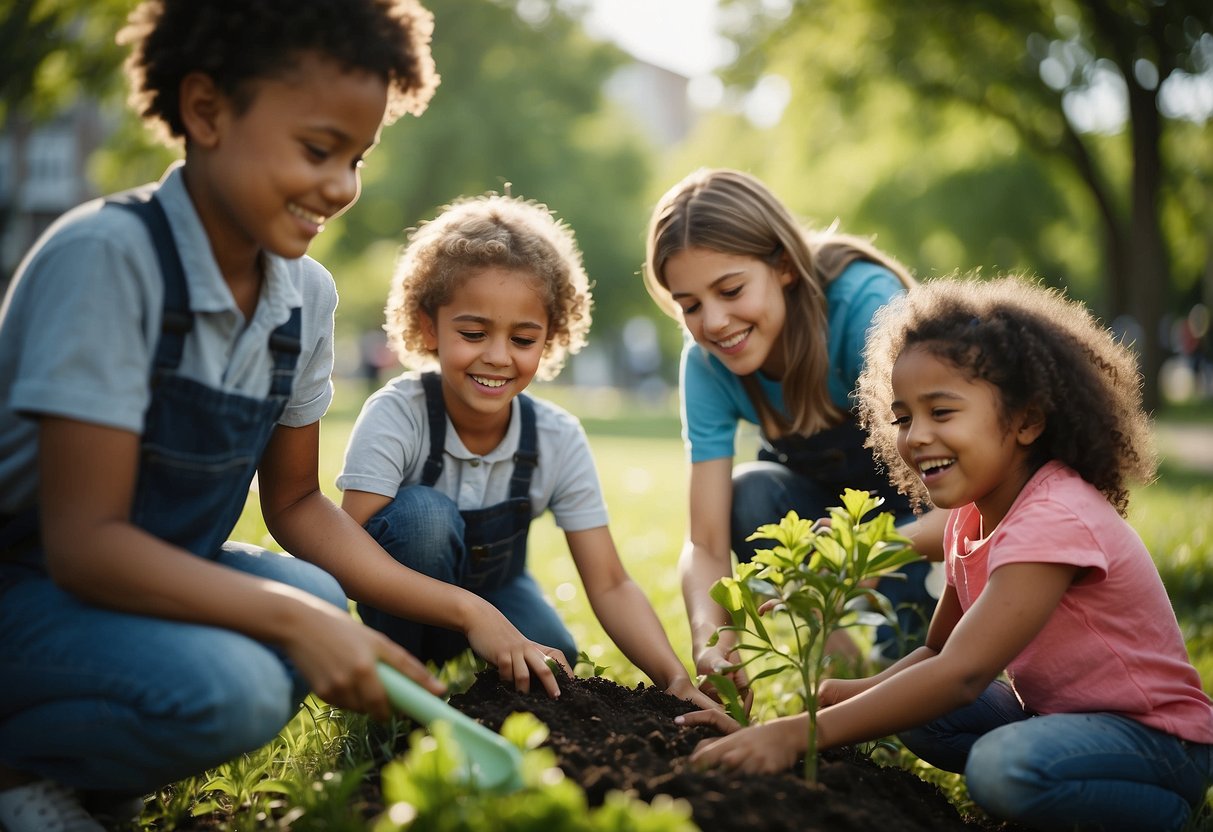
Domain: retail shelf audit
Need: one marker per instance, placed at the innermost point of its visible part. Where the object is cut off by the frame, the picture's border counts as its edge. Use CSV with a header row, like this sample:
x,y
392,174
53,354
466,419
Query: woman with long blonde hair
x,y
776,317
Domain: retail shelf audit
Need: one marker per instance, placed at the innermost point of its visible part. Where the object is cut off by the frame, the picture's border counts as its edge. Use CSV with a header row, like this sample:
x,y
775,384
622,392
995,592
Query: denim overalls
x,y
808,474
105,700
482,550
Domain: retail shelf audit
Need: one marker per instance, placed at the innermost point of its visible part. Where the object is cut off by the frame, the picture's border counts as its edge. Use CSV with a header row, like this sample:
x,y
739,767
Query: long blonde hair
x,y
734,213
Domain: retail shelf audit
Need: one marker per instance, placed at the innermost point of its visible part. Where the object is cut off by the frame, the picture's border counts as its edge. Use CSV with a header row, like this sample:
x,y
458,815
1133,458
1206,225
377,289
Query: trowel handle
x,y
423,706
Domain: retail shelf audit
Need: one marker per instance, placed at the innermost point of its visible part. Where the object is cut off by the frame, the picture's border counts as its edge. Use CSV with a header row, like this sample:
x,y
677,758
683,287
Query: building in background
x,y
43,173
657,97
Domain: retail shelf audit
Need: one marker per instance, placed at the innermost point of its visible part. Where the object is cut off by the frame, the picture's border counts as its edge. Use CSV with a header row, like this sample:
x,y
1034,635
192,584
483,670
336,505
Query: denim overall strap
x,y
200,445
495,537
431,383
836,459
527,455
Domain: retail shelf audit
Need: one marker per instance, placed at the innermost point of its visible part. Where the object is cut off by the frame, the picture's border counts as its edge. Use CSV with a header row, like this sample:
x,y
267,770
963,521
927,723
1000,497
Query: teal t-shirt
x,y
713,398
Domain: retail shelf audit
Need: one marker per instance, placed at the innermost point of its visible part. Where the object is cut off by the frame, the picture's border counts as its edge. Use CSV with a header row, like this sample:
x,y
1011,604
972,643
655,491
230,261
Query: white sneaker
x,y
44,806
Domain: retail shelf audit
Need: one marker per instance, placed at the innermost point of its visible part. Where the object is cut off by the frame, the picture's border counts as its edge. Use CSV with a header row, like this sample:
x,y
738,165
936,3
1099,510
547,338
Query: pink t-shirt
x,y
1113,644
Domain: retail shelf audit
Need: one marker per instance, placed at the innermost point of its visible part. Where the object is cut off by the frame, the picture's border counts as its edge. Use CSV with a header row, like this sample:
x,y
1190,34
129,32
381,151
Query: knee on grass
x,y
239,704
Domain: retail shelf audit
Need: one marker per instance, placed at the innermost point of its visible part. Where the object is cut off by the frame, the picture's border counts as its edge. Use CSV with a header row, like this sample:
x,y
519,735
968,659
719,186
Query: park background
x,y
1066,140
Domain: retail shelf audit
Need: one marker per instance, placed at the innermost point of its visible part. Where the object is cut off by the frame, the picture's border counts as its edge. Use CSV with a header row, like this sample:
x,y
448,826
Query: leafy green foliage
x,y
927,99
423,794
816,575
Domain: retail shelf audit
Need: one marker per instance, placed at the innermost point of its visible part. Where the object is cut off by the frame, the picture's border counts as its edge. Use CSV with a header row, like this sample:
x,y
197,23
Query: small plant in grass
x,y
815,574
584,658
422,791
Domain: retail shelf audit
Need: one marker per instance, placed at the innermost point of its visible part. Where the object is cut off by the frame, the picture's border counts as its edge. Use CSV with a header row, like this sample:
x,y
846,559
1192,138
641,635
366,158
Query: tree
x,y
50,53
1030,64
520,106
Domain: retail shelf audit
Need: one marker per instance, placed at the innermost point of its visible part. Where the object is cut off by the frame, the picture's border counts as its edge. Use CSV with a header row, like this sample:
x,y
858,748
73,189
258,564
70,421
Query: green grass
x,y
305,778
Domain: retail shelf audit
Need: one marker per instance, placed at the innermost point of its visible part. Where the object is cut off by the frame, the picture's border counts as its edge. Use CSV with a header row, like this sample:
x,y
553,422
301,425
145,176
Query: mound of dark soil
x,y
606,736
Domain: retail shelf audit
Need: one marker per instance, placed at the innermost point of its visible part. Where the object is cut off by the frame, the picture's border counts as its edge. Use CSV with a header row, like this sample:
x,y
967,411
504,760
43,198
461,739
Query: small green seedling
x,y
815,575
596,669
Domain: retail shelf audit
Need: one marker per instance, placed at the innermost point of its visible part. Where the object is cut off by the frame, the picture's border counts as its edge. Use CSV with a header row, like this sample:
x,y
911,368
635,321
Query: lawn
x,y
643,474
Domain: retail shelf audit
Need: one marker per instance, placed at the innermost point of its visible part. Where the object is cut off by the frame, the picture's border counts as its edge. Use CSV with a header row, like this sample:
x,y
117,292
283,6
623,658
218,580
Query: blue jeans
x,y
423,529
1095,771
763,492
104,700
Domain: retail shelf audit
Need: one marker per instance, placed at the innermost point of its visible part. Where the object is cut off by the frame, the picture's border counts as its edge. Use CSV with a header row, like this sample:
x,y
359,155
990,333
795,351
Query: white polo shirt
x,y
391,441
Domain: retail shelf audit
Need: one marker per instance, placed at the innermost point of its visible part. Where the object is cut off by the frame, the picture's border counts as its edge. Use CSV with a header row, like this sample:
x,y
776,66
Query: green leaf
x,y
524,730
727,593
730,696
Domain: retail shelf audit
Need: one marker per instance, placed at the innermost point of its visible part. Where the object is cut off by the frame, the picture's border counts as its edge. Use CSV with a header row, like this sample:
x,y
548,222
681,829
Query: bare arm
x,y
312,527
1013,608
706,558
626,615
947,614
88,474
926,533
362,505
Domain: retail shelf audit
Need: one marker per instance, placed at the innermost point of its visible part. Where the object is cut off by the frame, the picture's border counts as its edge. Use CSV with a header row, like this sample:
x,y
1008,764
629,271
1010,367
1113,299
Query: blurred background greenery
x,y
1065,139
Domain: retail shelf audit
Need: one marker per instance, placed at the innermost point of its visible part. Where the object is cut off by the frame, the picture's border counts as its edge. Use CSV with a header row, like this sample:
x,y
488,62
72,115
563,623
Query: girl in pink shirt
x,y
1055,676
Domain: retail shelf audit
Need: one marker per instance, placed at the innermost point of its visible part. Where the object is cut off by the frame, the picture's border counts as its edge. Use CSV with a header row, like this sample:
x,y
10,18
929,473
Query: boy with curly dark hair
x,y
157,349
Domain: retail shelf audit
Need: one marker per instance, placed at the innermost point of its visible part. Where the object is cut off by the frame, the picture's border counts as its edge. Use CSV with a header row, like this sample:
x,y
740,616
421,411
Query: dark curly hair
x,y
481,232
236,41
1038,349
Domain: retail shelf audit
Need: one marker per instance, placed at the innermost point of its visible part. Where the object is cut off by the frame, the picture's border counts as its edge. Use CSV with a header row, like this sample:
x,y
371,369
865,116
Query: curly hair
x,y
484,232
1037,348
237,41
733,212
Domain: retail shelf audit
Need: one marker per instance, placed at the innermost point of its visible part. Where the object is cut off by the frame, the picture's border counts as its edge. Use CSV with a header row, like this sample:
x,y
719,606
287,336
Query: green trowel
x,y
493,762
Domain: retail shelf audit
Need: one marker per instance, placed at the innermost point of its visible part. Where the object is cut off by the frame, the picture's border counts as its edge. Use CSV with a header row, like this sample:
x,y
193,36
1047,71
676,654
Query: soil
x,y
606,736
609,737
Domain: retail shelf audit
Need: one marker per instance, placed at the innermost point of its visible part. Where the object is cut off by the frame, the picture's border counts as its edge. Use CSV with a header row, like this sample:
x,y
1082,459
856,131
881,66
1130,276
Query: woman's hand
x,y
713,717
713,660
516,657
759,749
683,688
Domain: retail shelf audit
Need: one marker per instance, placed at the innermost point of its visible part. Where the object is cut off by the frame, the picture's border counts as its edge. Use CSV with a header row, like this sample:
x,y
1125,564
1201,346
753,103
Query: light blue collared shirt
x,y
79,328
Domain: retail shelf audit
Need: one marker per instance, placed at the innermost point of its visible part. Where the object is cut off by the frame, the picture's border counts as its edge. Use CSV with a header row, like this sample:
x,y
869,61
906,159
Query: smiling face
x,y
270,174
733,306
952,431
489,339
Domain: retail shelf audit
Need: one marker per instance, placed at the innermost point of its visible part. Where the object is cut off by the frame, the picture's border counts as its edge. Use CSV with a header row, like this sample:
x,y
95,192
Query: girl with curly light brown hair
x,y
447,468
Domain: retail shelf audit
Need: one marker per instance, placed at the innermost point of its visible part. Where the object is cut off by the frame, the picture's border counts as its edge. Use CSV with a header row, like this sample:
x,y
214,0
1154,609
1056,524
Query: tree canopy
x,y
1029,77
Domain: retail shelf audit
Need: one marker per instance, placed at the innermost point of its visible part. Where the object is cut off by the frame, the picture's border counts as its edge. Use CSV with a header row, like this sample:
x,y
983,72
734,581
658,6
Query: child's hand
x,y
759,749
768,605
337,655
517,658
685,689
713,717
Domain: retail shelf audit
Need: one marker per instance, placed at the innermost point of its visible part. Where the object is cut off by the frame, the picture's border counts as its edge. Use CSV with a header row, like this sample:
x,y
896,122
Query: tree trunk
x,y
1150,278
